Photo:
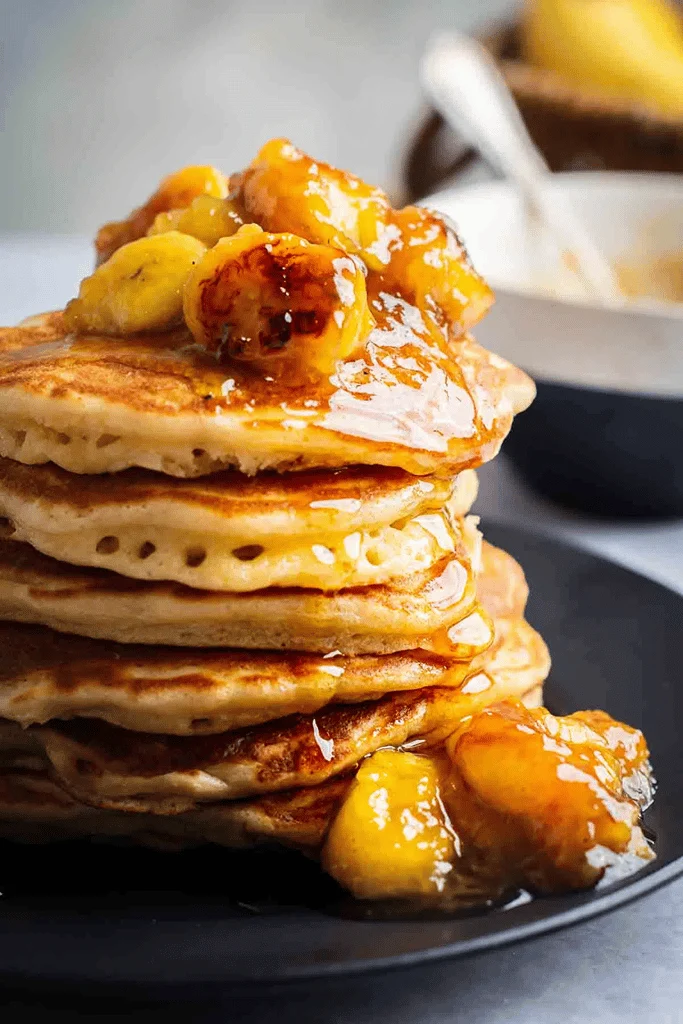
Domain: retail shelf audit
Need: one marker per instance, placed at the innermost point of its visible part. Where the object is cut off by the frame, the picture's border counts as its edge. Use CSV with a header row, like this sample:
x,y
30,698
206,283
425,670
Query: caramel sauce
x,y
471,636
283,189
517,801
404,390
546,803
278,303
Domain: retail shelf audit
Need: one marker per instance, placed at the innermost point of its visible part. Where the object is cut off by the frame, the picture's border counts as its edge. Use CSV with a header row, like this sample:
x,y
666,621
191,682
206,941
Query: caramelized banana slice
x,y
391,836
430,268
139,289
278,302
207,218
547,803
174,193
285,190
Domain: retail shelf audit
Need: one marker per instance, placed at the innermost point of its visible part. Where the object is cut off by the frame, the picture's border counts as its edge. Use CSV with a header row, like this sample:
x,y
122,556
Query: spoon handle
x,y
468,89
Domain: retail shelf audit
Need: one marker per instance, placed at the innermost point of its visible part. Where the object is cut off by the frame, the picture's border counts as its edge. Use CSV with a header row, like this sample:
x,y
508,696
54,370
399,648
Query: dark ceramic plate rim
x,y
583,907
496,929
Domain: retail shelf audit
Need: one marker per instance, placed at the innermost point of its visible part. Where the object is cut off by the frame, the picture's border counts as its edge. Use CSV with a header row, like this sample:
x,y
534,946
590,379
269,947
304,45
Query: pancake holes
x,y
107,546
146,549
248,552
84,767
19,437
7,527
201,723
373,556
194,557
198,453
63,438
104,440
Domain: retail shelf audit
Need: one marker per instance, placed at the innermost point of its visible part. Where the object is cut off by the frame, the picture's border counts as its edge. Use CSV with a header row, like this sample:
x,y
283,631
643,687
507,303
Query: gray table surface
x,y
623,968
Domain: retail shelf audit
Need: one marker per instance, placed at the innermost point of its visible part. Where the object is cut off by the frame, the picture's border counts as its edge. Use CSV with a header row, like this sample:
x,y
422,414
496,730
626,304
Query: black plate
x,y
86,914
602,451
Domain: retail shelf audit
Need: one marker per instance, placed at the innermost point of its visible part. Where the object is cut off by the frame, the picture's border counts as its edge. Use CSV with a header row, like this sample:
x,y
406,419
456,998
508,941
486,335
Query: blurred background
x,y
99,99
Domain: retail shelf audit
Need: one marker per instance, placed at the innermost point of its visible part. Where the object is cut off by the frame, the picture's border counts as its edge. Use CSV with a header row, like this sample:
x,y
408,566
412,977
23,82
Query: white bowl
x,y
633,217
604,434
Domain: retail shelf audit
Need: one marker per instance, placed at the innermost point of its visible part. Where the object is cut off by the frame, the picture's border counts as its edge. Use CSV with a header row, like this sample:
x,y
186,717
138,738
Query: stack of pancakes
x,y
220,592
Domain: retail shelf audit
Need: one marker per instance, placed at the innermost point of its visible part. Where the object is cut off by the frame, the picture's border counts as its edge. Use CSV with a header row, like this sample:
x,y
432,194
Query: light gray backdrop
x,y
100,98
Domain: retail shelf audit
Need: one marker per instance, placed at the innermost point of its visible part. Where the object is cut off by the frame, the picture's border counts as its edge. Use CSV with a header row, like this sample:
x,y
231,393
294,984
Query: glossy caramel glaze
x,y
278,303
336,336
283,189
429,267
162,774
517,799
391,838
410,399
413,252
545,803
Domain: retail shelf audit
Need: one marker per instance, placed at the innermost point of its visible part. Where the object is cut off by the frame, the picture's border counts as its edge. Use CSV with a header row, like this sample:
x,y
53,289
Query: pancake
x,y
117,768
45,674
34,808
434,609
317,529
19,748
125,770
308,505
96,404
501,584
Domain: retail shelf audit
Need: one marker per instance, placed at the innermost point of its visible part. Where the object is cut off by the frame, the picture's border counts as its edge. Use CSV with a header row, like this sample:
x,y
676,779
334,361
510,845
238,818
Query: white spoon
x,y
467,88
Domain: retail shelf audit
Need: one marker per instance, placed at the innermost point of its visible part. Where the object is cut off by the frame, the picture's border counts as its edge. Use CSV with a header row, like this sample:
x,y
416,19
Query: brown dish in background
x,y
575,130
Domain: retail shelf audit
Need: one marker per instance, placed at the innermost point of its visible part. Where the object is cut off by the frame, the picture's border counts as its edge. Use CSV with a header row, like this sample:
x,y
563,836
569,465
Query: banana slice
x,y
283,189
139,289
278,302
176,192
207,218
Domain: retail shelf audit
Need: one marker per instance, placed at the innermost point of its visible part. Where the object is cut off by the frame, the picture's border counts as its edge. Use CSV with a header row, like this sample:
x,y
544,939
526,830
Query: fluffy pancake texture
x,y
310,504
315,529
424,609
84,777
46,674
115,767
34,808
100,404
